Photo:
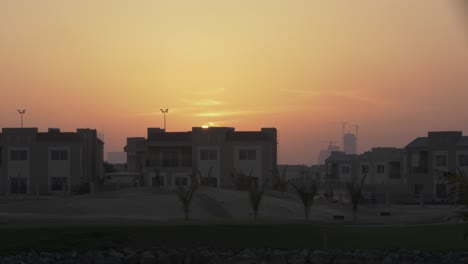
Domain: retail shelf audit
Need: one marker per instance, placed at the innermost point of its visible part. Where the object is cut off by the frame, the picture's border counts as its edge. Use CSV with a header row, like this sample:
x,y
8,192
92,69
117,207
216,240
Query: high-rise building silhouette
x,y
349,143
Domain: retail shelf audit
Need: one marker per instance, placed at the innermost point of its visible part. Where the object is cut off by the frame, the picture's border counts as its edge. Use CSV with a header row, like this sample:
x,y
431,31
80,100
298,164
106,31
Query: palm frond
x,y
255,198
306,192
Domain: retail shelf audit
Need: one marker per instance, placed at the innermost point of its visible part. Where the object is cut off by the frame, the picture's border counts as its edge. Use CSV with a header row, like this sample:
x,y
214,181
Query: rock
x,y
387,260
320,257
132,258
148,258
115,254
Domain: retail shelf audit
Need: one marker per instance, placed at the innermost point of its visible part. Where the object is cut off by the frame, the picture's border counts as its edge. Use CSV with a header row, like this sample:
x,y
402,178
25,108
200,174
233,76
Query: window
x,y
364,169
208,155
380,169
181,181
18,185
418,189
158,181
441,161
59,155
59,184
247,154
463,160
18,155
345,169
170,159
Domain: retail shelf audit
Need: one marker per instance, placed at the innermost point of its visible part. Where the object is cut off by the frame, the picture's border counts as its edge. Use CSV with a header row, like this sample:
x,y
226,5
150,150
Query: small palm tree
x,y
458,183
355,191
241,180
185,195
281,183
207,180
255,198
306,191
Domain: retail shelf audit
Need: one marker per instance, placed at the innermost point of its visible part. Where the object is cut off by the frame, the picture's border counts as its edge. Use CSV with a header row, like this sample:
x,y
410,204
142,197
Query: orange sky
x,y
398,68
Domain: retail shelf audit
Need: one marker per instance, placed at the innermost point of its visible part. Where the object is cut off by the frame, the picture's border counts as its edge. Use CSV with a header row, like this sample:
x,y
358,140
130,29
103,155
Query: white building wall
x,y
59,168
247,166
19,168
204,166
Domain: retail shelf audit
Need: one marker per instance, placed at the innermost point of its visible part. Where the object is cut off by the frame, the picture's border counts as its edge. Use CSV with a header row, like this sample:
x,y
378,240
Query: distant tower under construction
x,y
350,140
349,143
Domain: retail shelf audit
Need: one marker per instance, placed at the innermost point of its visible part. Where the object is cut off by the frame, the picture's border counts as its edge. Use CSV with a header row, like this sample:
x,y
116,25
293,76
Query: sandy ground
x,y
147,205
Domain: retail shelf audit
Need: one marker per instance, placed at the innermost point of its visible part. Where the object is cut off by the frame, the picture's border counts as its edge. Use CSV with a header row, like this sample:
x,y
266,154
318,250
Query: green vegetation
x,y
235,235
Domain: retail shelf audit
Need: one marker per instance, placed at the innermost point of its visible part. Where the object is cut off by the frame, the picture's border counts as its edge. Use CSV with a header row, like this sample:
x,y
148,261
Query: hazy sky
x,y
397,68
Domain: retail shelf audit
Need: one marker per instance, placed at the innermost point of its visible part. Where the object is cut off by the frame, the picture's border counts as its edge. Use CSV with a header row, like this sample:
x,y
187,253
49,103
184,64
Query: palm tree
x,y
281,183
354,190
255,198
306,192
185,195
458,183
207,180
241,180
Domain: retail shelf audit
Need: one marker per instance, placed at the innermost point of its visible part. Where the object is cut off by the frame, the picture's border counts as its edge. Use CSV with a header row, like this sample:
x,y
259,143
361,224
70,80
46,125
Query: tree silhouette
x,y
255,198
185,195
306,192
355,190
458,192
281,183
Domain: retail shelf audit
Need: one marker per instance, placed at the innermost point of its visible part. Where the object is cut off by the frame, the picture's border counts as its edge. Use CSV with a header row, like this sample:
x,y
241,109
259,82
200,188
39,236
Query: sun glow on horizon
x,y
300,66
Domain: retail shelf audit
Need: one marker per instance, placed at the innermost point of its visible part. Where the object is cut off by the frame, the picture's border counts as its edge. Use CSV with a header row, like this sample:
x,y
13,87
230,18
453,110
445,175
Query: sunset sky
x,y
397,68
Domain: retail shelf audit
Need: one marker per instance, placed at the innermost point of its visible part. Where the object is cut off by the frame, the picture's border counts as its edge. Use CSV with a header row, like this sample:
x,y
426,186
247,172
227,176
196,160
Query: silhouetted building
x,y
428,158
117,157
325,153
169,158
349,143
381,168
43,163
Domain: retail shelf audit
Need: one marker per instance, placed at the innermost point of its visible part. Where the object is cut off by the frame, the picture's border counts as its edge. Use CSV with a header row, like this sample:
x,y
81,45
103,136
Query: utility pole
x,y
22,112
164,113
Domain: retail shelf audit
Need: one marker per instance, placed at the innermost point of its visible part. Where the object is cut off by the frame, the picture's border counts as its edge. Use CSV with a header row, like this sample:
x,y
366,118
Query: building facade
x,y
169,158
428,158
44,163
381,167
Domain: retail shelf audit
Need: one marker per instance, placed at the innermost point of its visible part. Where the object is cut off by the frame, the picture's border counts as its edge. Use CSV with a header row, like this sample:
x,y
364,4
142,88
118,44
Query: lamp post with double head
x,y
164,111
22,112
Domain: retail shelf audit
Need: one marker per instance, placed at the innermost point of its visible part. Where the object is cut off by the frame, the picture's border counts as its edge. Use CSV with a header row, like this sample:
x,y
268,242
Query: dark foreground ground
x,y
445,237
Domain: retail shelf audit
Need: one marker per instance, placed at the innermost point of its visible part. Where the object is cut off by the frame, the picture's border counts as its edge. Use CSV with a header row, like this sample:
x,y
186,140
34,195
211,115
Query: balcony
x,y
169,163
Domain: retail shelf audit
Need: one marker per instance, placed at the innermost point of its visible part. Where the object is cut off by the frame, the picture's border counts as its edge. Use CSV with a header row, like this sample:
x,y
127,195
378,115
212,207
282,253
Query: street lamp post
x,y
22,112
164,113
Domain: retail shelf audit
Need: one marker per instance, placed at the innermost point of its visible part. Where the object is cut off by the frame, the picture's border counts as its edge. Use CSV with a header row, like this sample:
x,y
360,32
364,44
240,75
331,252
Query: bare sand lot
x,y
146,205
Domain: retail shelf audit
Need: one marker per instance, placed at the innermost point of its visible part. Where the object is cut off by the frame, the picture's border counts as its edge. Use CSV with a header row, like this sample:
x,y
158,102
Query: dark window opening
x,y
59,155
18,155
59,184
208,155
18,185
247,154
